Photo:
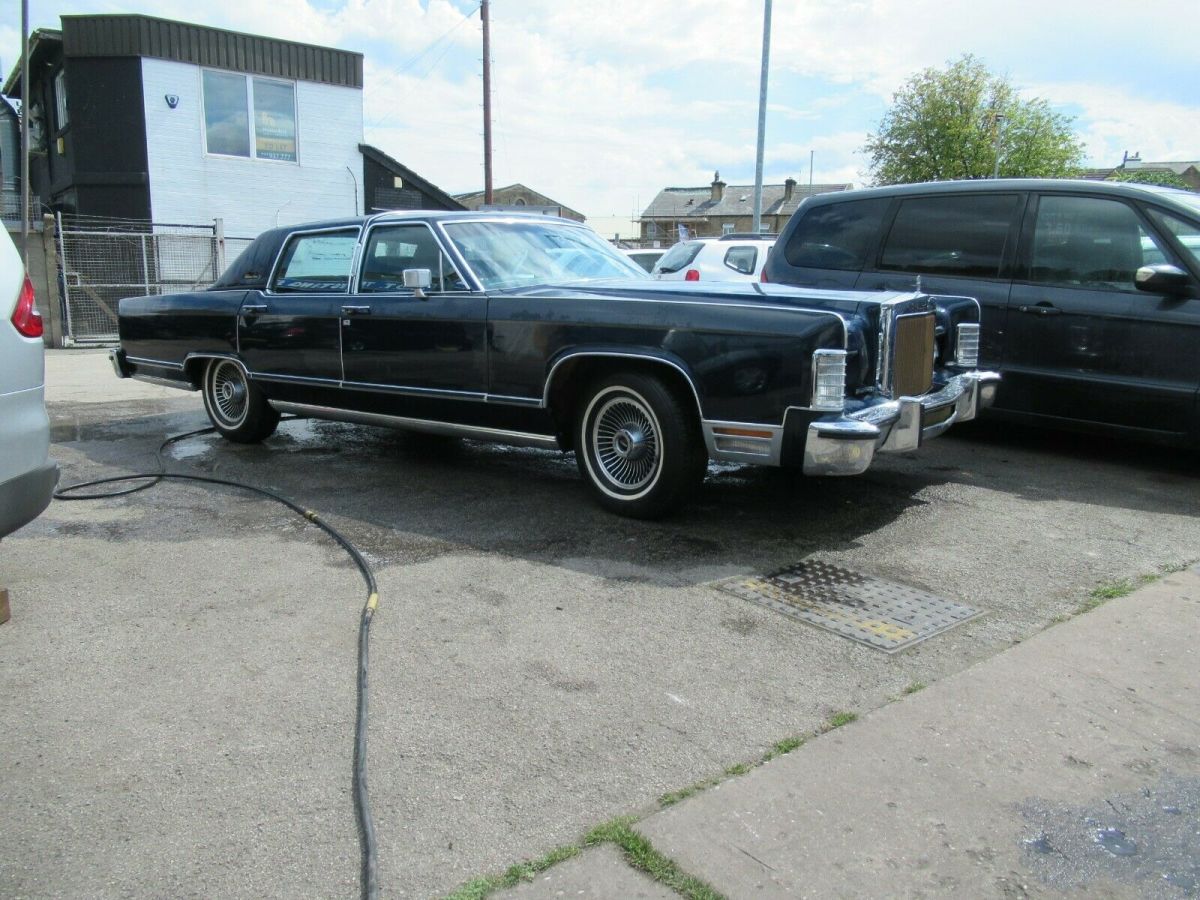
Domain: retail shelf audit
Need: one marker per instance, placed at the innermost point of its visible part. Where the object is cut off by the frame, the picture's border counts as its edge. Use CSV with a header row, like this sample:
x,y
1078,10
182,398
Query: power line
x,y
412,62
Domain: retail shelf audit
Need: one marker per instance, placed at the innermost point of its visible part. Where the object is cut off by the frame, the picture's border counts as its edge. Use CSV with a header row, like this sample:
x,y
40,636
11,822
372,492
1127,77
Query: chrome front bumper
x,y
847,445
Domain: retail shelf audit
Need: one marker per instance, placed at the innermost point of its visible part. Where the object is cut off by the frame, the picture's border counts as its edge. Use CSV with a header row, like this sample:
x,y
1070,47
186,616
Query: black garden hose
x,y
369,877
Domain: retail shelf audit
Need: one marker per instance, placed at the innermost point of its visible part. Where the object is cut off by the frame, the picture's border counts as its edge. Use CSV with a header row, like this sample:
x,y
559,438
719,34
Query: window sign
x,y
274,120
229,128
317,263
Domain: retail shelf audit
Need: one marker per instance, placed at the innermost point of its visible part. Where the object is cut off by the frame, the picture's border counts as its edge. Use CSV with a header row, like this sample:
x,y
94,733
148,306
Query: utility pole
x,y
25,131
762,117
487,103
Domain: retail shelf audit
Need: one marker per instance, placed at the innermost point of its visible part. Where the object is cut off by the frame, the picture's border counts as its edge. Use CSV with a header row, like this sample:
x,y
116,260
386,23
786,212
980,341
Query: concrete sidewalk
x,y
1066,766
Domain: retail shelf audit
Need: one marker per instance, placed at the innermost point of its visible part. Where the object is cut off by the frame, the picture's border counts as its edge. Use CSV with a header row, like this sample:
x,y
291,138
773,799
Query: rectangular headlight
x,y
829,380
966,345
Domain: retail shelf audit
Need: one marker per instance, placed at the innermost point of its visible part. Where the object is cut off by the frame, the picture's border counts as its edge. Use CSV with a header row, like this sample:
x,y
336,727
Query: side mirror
x,y
1163,279
418,280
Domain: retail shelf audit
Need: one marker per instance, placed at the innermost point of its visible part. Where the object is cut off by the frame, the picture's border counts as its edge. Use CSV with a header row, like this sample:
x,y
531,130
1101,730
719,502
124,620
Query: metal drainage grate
x,y
881,614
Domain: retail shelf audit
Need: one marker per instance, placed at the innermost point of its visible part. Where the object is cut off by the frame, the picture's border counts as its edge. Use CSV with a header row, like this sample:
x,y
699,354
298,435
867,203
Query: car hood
x,y
847,303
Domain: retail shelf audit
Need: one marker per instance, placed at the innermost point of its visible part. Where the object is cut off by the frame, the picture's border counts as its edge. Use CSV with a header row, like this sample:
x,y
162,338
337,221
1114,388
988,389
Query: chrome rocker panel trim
x,y
449,429
847,445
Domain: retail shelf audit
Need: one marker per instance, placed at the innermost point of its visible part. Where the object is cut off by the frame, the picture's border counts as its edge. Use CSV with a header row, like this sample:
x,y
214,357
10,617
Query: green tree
x,y
943,125
1163,177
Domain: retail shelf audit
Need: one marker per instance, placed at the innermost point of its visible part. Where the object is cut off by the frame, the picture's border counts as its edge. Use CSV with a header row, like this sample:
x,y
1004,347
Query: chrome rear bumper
x,y
847,445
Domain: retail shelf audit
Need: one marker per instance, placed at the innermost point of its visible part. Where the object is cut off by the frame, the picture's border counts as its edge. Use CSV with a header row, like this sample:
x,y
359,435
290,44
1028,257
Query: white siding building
x,y
311,172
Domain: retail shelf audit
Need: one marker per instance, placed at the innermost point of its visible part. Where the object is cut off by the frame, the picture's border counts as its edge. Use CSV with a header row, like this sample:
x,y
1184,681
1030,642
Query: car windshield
x,y
506,254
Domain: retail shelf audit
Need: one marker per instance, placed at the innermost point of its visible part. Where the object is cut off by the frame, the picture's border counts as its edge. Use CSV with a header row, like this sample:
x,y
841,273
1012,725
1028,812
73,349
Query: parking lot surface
x,y
177,681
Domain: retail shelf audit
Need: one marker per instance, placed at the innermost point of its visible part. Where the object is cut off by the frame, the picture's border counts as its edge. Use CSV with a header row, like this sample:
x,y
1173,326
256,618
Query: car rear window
x,y
837,236
963,235
741,259
679,256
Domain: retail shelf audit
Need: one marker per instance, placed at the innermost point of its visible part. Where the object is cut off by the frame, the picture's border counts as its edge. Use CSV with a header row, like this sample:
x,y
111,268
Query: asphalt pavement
x,y
176,682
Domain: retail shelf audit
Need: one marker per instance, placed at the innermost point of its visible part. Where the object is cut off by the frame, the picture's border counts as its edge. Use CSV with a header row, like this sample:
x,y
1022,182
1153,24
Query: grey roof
x,y
1177,167
476,197
697,202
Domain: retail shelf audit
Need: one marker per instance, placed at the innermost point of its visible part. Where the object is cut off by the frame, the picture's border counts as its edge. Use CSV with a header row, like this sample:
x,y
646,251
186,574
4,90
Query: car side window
x,y
393,248
957,235
837,236
1185,232
741,259
316,263
1089,242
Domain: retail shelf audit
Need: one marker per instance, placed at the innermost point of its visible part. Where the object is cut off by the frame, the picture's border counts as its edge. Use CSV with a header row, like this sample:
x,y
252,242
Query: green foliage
x,y
943,125
640,854
838,719
1162,177
480,888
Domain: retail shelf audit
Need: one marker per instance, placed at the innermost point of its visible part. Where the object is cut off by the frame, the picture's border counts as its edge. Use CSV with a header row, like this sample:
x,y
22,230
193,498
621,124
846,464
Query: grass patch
x,y
641,855
914,686
479,888
1113,590
636,849
838,719
787,745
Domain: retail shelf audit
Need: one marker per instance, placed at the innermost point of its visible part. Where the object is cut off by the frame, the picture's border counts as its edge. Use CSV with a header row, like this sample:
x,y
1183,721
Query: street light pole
x,y
999,118
762,116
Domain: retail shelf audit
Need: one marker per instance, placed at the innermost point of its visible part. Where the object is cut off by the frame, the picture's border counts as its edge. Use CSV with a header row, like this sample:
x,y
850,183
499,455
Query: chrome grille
x,y
913,355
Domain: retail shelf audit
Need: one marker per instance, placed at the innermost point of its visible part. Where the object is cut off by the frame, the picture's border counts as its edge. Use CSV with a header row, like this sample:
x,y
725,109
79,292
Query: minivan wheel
x,y
235,406
638,446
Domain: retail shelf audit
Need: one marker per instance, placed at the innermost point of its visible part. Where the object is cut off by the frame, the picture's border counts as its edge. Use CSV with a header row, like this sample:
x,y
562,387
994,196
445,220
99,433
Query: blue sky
x,y
601,103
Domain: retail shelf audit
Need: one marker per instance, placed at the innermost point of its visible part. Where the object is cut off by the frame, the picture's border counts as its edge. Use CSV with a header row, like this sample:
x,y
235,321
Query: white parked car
x,y
646,258
731,257
27,474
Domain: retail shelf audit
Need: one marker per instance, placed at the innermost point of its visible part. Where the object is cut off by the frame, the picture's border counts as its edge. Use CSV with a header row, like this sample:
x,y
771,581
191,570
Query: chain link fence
x,y
101,262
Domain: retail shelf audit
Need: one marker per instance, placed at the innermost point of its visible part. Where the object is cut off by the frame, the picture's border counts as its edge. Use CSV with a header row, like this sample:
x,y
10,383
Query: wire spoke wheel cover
x,y
229,400
235,405
625,435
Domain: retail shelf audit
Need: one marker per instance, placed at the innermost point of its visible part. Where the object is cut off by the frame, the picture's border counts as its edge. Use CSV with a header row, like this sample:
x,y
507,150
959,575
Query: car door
x,y
1077,337
289,333
1166,330
957,245
410,346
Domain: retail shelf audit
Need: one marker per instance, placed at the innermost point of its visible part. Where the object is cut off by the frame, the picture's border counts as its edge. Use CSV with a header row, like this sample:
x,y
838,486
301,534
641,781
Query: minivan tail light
x,y
692,275
763,278
25,318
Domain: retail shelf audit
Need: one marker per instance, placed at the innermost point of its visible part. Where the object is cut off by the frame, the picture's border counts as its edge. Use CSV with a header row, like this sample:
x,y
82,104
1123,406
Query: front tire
x,y
235,406
638,445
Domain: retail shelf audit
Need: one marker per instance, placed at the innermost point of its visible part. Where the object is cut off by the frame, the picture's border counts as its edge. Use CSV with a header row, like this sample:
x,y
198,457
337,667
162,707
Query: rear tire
x,y
235,405
638,445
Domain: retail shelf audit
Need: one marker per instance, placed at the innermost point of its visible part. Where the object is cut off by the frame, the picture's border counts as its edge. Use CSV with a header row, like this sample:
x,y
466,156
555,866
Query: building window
x,y
727,228
231,130
60,99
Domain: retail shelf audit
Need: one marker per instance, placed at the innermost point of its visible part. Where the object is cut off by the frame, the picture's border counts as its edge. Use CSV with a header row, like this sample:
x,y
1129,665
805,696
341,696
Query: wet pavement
x,y
178,673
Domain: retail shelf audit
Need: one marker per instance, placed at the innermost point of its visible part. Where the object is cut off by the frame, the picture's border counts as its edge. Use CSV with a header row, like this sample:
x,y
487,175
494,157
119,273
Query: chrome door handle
x,y
356,310
1041,310
253,308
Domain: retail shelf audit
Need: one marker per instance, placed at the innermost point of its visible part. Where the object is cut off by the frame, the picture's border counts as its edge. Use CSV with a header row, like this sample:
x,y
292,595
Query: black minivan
x,y
1090,291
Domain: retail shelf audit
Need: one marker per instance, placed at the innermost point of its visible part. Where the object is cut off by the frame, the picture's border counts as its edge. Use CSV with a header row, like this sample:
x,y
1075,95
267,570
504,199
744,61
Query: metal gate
x,y
99,266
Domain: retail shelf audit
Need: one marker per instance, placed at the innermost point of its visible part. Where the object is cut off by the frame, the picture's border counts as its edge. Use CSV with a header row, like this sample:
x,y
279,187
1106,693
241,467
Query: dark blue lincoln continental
x,y
532,330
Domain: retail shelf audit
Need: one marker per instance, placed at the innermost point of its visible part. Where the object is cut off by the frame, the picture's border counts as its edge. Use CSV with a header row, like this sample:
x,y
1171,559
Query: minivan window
x,y
958,235
1187,233
679,256
1089,242
836,236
